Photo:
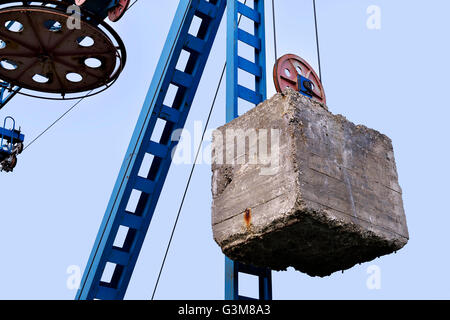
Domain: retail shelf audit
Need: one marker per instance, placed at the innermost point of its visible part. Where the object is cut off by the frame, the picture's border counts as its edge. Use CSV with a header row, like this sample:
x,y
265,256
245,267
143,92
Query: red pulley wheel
x,y
118,11
286,71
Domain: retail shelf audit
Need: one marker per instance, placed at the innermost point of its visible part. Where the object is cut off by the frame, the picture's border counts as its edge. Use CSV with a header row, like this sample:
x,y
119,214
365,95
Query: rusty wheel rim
x,y
40,53
285,73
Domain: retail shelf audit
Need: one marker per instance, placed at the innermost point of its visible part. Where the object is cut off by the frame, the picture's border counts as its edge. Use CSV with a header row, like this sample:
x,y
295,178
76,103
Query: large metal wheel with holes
x,y
285,73
41,52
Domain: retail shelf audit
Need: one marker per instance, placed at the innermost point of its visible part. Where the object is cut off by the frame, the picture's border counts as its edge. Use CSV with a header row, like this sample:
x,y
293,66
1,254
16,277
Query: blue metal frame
x,y
234,92
6,92
7,135
301,86
235,62
10,136
232,270
124,257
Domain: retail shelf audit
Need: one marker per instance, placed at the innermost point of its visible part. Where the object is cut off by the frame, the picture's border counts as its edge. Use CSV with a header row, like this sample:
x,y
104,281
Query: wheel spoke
x,y
78,54
36,34
58,78
18,41
58,43
76,67
35,61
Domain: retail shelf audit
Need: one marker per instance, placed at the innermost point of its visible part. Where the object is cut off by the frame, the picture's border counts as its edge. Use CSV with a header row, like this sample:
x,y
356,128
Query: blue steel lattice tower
x,y
236,91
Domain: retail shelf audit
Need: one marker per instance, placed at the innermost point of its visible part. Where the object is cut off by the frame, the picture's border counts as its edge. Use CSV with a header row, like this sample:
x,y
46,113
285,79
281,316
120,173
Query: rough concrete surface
x,y
331,201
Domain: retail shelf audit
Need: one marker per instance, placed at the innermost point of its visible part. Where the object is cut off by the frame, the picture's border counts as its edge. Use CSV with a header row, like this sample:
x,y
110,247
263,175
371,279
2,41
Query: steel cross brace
x,y
6,93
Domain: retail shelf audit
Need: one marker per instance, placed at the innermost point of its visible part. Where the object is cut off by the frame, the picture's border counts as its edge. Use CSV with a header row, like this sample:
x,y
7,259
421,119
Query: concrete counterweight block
x,y
296,186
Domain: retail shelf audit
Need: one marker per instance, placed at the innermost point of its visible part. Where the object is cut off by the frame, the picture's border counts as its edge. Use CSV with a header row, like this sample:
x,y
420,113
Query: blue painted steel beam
x,y
235,90
11,135
232,270
123,256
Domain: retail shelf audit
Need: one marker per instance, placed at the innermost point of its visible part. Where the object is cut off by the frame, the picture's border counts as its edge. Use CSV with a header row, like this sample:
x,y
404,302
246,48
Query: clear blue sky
x,y
394,80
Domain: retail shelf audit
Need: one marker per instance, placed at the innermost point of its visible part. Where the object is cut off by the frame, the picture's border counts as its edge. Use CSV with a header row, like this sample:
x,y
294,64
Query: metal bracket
x,y
7,93
305,86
